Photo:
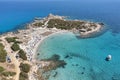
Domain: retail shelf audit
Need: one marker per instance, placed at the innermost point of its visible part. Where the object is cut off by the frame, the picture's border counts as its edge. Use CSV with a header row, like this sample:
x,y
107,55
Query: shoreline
x,y
35,33
45,37
93,33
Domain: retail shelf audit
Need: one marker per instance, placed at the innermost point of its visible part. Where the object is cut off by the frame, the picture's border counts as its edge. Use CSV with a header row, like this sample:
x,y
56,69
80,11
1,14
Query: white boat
x,y
108,58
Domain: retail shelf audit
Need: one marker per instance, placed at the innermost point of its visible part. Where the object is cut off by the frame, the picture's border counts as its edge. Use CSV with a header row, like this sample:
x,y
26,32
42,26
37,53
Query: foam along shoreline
x,y
39,30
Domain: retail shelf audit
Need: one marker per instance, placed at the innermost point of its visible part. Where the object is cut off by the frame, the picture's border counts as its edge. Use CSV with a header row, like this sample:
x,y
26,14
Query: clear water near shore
x,y
86,56
86,59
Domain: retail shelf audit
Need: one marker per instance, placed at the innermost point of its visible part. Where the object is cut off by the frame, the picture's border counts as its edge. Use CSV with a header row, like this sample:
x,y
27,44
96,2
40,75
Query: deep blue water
x,y
89,53
13,14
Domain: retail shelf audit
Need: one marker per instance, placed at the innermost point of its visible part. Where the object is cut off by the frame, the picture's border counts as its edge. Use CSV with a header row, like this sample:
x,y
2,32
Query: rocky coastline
x,y
28,40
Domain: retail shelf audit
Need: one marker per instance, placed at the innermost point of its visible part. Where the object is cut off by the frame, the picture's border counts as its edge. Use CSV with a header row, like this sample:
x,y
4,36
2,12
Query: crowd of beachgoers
x,y
31,39
36,37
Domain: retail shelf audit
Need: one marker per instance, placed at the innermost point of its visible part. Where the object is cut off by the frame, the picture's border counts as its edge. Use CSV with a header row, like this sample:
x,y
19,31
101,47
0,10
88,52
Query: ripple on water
x,y
85,58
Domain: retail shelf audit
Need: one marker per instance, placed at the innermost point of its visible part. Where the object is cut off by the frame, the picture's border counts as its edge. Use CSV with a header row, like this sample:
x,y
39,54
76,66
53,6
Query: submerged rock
x,y
55,74
82,73
55,57
67,56
116,77
101,23
38,54
54,63
84,68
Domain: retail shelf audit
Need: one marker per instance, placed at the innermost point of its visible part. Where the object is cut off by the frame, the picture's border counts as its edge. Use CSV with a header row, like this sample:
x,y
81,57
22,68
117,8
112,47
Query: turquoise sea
x,y
86,59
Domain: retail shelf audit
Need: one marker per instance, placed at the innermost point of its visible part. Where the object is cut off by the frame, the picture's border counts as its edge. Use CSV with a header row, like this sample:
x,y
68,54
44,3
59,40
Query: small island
x,y
18,49
83,28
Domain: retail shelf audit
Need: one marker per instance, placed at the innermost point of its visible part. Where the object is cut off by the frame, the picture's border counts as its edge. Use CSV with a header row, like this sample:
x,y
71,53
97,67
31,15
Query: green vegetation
x,y
3,53
23,76
8,73
38,24
22,54
12,39
1,69
25,67
15,47
67,25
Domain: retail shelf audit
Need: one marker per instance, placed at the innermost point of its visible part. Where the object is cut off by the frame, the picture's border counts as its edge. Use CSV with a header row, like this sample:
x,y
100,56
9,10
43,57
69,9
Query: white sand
x,y
31,39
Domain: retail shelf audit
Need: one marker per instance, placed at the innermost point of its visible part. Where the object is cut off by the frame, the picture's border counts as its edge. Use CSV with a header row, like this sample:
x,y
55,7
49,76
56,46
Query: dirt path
x,y
12,57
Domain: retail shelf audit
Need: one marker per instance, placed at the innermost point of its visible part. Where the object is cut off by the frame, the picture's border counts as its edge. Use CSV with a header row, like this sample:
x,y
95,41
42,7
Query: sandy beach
x,y
31,38
32,45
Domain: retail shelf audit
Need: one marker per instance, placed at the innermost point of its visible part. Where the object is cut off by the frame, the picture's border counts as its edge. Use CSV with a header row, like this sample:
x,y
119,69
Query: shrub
x,y
1,46
22,54
12,39
25,67
3,53
23,76
1,69
18,42
61,24
38,24
15,47
8,73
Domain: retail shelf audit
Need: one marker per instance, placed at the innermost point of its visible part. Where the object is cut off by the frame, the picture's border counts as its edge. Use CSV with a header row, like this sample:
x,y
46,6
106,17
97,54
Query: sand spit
x,y
31,38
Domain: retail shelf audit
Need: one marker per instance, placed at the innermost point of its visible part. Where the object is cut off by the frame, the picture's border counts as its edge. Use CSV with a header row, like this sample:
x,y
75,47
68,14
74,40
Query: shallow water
x,y
86,59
